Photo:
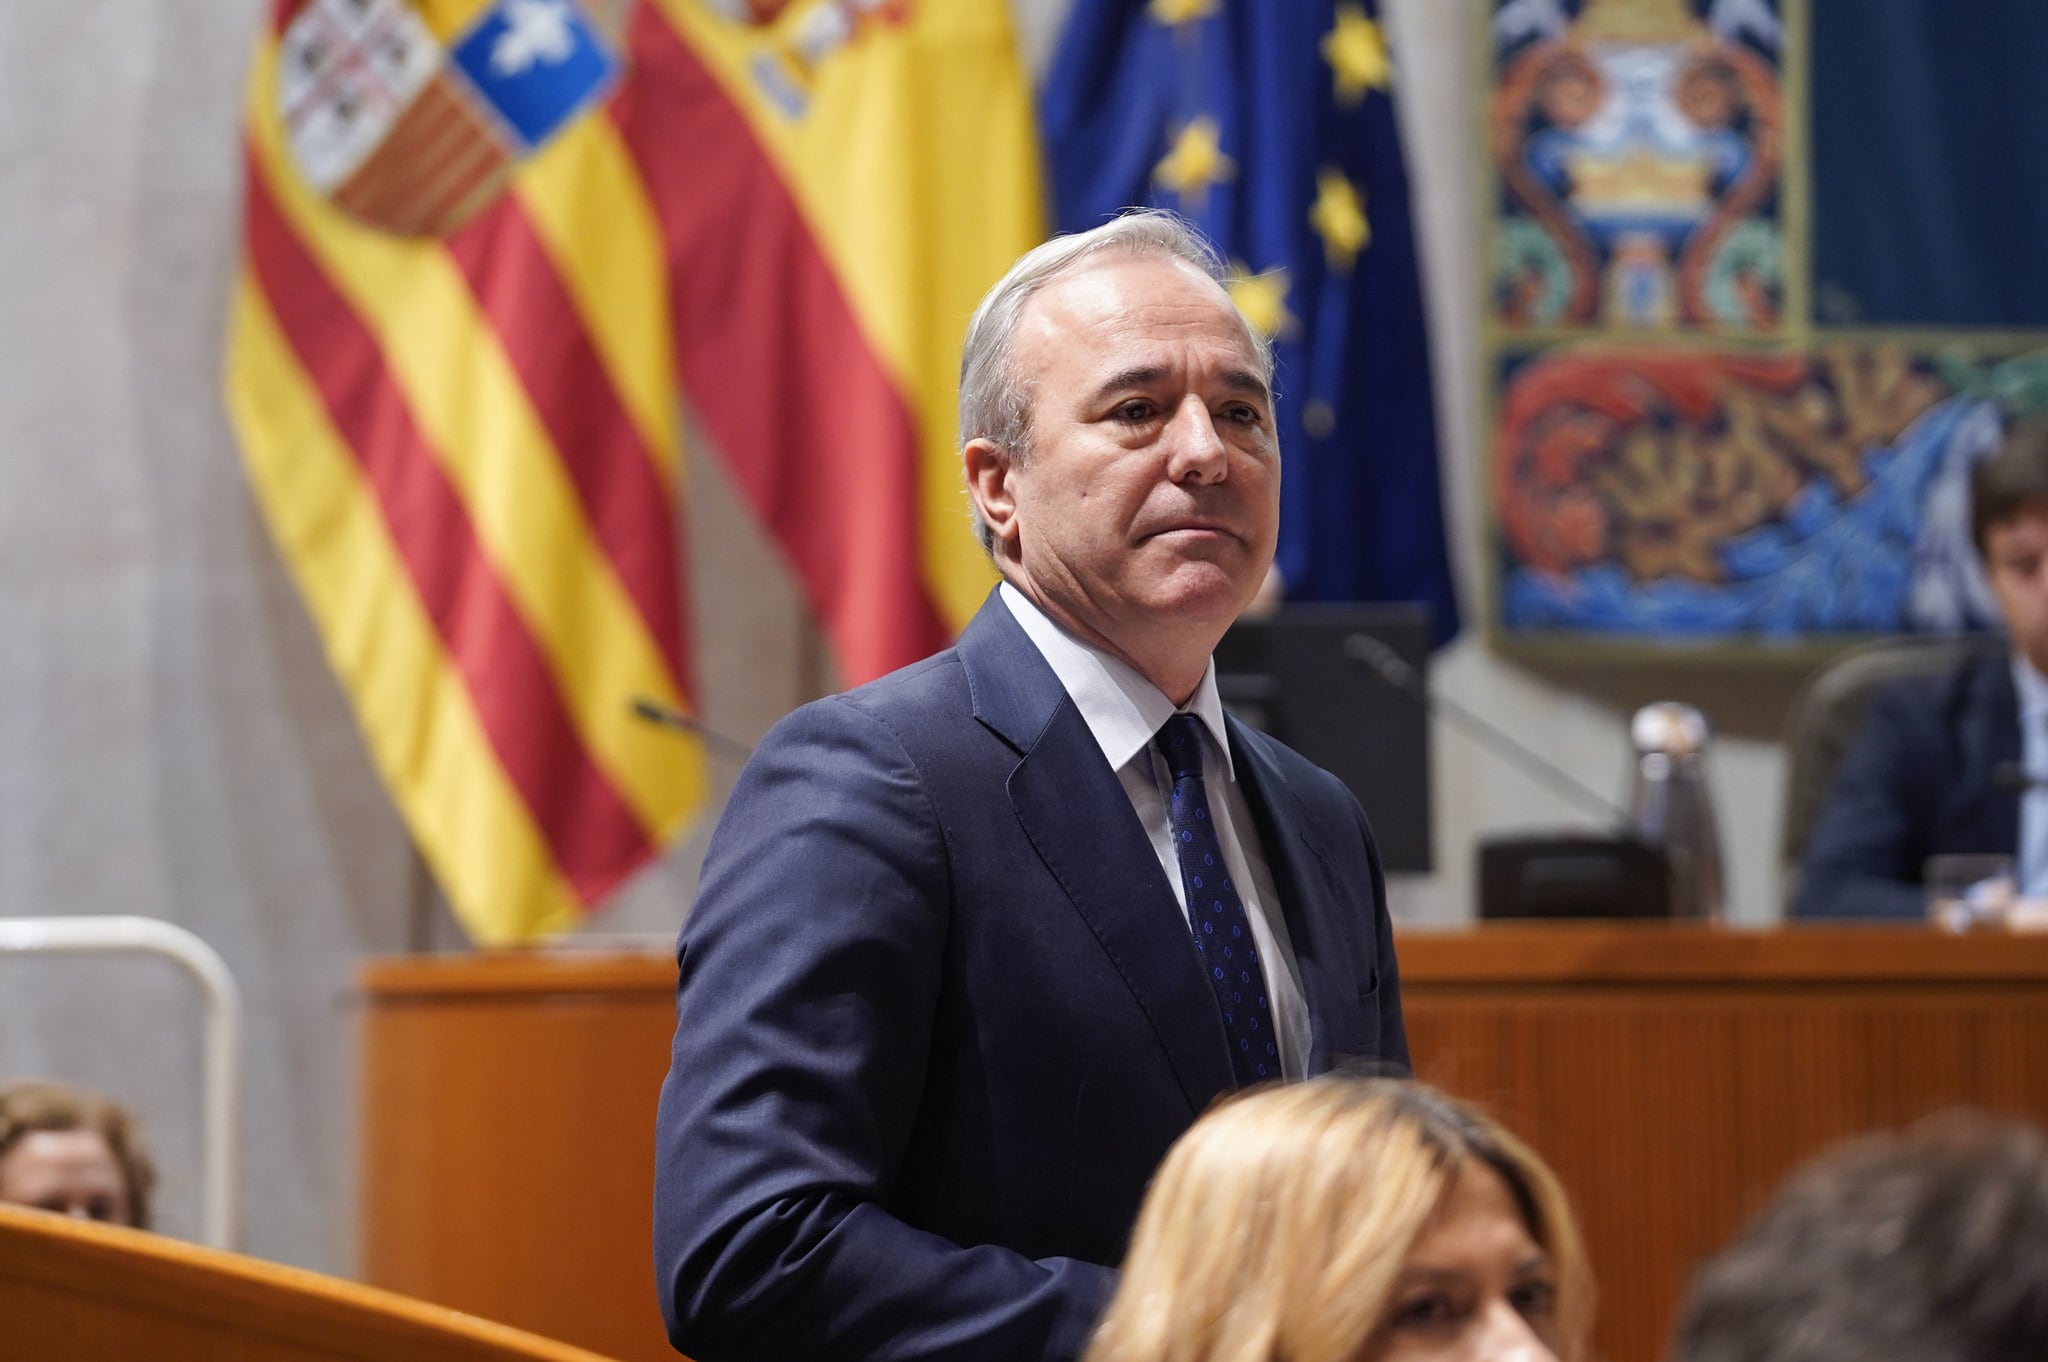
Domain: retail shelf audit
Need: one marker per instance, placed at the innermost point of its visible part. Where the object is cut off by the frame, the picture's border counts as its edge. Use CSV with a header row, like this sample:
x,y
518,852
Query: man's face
x,y
2016,561
1149,501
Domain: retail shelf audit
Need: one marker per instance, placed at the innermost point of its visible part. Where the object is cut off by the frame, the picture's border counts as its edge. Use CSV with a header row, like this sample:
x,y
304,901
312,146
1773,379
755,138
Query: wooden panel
x,y
99,1293
508,1152
1673,1073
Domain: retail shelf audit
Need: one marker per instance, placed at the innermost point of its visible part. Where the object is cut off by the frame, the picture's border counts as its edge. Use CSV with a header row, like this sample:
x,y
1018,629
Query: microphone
x,y
1395,670
2010,775
668,716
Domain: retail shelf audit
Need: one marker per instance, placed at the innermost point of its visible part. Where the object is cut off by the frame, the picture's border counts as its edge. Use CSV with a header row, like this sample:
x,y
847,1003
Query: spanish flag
x,y
839,182
485,243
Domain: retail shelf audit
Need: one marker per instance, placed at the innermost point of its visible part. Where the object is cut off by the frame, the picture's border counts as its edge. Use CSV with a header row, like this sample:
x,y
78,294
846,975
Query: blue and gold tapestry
x,y
1763,288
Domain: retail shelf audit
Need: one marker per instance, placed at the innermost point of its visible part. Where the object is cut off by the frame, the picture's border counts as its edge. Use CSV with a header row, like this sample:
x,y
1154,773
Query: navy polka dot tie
x,y
1215,912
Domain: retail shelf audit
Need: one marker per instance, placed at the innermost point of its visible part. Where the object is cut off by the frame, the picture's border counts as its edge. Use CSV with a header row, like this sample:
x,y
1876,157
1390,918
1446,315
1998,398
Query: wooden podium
x,y
1671,1073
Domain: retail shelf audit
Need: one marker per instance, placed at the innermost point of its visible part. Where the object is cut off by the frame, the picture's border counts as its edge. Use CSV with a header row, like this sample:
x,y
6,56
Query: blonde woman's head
x,y
1350,1220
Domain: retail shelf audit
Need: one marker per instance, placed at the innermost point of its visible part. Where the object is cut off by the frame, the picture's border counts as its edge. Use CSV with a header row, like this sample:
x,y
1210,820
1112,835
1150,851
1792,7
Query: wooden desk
x,y
86,1292
1672,1074
508,1138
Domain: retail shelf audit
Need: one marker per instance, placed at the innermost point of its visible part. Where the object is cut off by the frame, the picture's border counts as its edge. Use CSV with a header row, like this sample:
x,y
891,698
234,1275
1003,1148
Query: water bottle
x,y
1671,809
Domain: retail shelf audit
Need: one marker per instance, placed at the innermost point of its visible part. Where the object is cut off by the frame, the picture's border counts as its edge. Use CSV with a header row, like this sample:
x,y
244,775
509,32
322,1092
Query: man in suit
x,y
973,946
1943,762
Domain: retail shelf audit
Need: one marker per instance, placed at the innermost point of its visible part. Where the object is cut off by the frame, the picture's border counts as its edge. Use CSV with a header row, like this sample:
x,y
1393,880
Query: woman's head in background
x,y
70,1151
1350,1220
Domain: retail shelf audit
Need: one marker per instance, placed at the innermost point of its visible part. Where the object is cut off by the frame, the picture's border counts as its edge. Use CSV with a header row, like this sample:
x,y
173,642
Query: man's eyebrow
x,y
1140,376
1245,381
1145,375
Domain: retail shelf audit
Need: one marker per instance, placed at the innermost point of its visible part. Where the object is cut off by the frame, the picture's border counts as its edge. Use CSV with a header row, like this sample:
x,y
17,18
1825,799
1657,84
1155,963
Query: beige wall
x,y
170,740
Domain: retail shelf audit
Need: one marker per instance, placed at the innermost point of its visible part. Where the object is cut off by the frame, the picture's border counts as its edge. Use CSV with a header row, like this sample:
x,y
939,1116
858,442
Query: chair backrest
x,y
1827,715
98,1293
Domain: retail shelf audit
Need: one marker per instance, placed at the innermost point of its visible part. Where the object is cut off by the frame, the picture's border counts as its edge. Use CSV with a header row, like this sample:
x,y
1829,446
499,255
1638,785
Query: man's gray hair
x,y
995,404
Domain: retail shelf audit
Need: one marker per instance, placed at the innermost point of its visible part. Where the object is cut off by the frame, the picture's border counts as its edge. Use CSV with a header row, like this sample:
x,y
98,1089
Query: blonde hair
x,y
1276,1227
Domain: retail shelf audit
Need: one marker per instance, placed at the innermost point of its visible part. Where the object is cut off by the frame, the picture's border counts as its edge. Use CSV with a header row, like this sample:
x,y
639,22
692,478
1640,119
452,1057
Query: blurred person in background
x,y
1953,763
1928,1245
1350,1220
76,1153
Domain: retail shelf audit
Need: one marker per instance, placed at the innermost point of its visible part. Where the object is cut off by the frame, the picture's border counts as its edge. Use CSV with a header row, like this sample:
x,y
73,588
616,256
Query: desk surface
x,y
1522,952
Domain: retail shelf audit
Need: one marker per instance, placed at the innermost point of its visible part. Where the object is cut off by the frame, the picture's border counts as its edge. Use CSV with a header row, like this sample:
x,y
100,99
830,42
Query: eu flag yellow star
x,y
1338,215
1174,13
1357,53
1195,162
1262,297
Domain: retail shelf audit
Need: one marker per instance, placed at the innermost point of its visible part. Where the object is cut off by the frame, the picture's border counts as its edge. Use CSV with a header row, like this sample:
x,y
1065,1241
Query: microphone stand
x,y
668,716
1394,669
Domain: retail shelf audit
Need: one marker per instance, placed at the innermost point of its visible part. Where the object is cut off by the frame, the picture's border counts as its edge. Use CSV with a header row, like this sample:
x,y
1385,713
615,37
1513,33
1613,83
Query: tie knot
x,y
1180,742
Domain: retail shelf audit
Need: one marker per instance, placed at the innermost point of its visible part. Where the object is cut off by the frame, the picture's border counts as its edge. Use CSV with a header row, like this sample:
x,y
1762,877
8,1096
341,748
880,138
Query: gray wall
x,y
172,744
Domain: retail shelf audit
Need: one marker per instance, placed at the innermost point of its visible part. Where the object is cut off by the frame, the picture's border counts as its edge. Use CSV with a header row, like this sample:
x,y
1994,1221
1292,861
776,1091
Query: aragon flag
x,y
449,371
1270,123
483,241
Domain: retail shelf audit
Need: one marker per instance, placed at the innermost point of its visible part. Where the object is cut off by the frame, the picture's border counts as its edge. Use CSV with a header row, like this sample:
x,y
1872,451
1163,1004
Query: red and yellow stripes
x,y
826,263
815,431
468,448
468,461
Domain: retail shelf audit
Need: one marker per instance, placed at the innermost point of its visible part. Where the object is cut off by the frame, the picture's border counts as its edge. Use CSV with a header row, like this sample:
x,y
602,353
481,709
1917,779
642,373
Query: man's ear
x,y
989,486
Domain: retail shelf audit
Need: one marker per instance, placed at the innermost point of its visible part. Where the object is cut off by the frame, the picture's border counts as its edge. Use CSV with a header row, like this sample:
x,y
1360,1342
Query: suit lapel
x,y
1079,820
1318,926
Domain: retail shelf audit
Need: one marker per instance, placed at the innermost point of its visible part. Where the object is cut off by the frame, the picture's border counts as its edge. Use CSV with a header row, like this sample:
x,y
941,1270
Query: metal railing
x,y
220,1137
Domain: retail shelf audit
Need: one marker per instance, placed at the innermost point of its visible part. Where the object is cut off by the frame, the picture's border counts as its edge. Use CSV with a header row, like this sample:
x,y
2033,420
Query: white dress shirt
x,y
1125,711
2032,689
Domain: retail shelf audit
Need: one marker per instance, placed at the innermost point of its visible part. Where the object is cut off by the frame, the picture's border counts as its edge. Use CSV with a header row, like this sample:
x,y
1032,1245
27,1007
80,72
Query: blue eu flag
x,y
1269,124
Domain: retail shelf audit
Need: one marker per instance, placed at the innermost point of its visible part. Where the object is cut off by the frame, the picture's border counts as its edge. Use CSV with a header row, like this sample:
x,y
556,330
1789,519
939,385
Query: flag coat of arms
x,y
486,243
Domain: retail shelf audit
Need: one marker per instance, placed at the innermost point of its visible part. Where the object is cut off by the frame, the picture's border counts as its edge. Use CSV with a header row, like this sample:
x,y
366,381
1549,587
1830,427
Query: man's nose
x,y
1505,1336
1196,450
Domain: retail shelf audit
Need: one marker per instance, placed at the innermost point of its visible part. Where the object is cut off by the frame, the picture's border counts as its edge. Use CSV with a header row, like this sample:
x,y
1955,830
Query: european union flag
x,y
1268,123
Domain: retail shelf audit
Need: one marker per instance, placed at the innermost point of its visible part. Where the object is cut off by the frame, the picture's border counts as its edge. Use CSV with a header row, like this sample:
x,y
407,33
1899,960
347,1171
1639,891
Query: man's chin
x,y
1210,593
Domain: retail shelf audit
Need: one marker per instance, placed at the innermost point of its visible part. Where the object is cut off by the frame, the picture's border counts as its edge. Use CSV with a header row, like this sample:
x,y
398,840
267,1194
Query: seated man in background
x,y
73,1152
1929,1245
1943,760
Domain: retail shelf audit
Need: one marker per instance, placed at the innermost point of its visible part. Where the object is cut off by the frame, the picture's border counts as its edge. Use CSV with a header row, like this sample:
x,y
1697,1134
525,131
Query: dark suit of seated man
x,y
970,949
1942,761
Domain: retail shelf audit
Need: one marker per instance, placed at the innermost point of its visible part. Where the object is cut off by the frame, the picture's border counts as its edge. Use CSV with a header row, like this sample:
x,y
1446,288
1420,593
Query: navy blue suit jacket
x,y
1918,783
939,1016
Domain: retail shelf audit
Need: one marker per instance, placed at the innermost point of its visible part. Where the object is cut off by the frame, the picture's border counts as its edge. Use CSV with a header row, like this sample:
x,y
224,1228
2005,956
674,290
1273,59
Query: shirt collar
x,y
1121,708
